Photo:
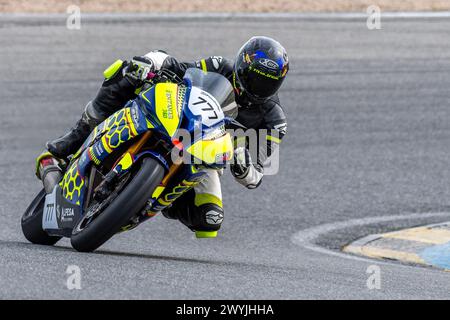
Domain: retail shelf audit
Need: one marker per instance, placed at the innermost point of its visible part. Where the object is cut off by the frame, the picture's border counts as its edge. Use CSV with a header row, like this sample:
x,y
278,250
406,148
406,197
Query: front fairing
x,y
192,112
210,145
162,105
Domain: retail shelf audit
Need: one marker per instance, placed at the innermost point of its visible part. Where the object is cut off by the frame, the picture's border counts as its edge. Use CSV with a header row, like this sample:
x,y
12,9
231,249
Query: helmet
x,y
260,68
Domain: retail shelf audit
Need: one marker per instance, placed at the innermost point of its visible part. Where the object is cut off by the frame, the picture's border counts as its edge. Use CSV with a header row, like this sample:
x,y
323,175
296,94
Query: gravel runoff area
x,y
110,6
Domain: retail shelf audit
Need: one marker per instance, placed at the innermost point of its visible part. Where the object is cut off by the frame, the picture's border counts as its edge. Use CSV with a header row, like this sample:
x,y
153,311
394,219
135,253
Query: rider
x,y
256,74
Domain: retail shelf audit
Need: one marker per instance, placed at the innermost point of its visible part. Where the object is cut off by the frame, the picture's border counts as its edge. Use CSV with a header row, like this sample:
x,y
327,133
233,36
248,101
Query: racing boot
x,y
69,143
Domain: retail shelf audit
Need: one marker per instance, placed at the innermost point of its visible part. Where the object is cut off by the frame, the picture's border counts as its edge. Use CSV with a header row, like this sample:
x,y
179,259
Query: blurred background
x,y
60,6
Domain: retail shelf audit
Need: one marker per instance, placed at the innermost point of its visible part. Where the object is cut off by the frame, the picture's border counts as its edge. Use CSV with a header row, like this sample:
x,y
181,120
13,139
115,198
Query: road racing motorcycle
x,y
135,163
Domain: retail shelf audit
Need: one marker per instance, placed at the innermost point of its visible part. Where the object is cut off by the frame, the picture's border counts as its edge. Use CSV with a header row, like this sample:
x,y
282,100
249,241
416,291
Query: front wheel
x,y
101,222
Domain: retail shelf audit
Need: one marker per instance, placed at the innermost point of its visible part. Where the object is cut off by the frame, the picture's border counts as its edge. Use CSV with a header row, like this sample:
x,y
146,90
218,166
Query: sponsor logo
x,y
67,214
264,74
216,60
281,128
134,116
213,217
99,149
269,64
168,112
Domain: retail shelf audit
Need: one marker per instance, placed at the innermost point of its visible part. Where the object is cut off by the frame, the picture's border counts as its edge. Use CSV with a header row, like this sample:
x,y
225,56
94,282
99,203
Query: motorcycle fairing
x,y
205,108
60,215
119,128
169,106
163,104
158,108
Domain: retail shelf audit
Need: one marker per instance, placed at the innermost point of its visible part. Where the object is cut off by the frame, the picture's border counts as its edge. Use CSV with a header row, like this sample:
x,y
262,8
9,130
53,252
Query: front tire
x,y
132,198
32,222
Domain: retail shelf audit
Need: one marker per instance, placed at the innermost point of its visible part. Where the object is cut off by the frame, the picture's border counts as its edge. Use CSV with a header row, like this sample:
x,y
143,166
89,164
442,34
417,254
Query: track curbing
x,y
423,245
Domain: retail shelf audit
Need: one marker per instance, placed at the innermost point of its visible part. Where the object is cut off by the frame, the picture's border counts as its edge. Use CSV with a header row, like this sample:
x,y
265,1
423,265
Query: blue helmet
x,y
260,68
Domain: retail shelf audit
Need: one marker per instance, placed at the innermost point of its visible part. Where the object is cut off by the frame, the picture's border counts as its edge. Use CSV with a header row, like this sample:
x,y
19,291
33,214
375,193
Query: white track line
x,y
305,238
207,15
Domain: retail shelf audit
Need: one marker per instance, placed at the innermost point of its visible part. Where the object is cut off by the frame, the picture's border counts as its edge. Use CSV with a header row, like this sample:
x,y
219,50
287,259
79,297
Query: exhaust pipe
x,y
50,173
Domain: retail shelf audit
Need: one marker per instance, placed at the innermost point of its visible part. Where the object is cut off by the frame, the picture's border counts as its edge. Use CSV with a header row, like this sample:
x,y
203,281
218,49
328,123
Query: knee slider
x,y
210,217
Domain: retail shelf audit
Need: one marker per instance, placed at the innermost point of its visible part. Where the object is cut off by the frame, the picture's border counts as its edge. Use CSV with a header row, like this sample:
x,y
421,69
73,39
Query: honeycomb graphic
x,y
72,184
117,129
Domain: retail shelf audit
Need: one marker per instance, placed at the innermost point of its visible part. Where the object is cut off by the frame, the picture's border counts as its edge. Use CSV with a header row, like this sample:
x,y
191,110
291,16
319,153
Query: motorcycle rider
x,y
256,74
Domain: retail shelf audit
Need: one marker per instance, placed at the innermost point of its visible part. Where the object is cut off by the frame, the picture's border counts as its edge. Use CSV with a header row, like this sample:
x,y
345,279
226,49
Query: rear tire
x,y
32,222
125,206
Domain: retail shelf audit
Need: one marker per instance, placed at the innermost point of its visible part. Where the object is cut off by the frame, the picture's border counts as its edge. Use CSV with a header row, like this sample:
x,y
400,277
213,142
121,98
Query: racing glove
x,y
244,171
138,70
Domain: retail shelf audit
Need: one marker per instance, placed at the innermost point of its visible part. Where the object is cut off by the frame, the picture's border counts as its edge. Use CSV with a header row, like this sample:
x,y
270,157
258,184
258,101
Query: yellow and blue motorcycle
x,y
137,162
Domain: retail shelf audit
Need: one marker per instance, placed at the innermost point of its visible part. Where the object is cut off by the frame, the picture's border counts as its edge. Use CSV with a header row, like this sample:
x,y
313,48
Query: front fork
x,y
168,190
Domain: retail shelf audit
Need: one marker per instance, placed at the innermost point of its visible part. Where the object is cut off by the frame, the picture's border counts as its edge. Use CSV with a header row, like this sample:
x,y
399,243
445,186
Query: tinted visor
x,y
258,83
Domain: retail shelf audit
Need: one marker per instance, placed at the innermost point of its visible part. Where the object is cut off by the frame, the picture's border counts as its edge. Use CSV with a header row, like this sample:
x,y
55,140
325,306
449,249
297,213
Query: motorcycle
x,y
137,162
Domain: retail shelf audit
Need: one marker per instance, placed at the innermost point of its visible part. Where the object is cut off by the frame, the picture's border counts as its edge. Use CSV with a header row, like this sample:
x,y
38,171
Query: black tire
x,y
125,206
32,222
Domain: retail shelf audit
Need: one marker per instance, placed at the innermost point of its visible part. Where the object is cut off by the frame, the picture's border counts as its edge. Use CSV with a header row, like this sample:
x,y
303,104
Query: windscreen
x,y
215,84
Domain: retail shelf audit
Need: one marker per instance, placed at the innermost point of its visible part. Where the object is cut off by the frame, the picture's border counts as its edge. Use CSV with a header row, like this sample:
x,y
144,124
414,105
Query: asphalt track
x,y
368,138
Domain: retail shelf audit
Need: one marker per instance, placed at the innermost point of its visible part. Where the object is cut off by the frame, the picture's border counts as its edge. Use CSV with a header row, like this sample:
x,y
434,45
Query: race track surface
x,y
368,136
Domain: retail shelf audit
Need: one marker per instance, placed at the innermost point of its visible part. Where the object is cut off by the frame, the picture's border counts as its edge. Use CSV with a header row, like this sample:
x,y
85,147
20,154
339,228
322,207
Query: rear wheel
x,y
32,222
104,219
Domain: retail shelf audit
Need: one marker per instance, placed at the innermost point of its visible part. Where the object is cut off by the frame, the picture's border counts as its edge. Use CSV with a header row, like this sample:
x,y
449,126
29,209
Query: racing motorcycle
x,y
136,163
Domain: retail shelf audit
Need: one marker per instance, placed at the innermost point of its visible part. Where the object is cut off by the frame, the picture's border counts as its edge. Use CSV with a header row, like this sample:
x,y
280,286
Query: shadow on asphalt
x,y
26,245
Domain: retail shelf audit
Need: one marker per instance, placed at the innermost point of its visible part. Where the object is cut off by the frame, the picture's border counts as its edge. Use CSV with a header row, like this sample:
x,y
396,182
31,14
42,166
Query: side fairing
x,y
120,127
163,105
